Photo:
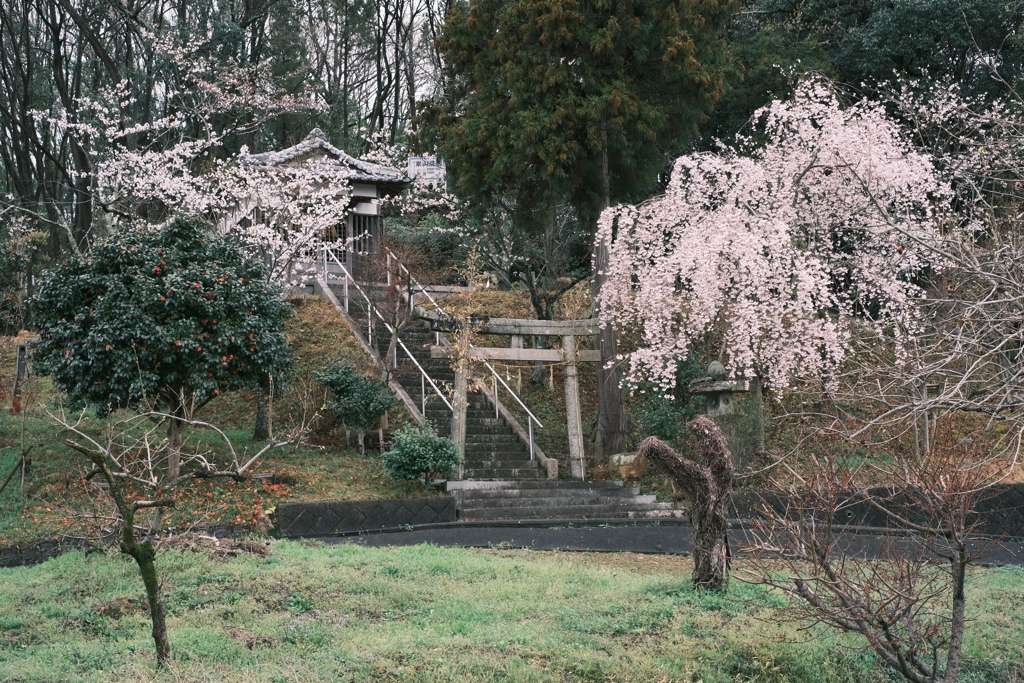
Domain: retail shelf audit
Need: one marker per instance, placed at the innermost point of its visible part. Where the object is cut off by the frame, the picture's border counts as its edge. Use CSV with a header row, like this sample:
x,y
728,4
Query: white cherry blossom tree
x,y
186,161
831,221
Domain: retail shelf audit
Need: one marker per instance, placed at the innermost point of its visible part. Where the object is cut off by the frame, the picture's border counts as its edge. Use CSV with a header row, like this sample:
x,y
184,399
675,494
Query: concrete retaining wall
x,y
329,518
999,512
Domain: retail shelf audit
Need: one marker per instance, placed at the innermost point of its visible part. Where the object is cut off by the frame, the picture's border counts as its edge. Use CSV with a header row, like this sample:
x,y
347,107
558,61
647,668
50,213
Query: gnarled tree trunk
x,y
708,485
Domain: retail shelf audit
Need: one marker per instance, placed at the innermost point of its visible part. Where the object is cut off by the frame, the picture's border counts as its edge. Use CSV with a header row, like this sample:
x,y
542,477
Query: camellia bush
x,y
419,453
171,317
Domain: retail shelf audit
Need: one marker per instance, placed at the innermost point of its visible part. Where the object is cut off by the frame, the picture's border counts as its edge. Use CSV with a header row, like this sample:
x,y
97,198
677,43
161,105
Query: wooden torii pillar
x,y
569,355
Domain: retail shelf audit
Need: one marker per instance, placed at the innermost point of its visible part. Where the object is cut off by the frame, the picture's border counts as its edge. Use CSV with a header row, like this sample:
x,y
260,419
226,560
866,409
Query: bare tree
x,y
904,593
131,458
708,484
392,279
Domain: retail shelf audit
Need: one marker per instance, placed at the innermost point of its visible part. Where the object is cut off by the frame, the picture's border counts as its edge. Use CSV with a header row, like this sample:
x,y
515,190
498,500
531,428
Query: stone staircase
x,y
493,451
499,481
522,500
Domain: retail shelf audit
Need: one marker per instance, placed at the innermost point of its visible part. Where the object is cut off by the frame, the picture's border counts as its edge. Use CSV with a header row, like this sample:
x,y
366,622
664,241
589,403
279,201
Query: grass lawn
x,y
346,613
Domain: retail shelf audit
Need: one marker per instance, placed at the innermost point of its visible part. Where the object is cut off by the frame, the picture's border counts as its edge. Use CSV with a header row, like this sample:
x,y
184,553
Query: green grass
x,y
345,613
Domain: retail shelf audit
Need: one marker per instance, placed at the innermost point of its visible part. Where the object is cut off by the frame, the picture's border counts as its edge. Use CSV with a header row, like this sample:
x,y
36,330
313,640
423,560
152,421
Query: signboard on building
x,y
426,169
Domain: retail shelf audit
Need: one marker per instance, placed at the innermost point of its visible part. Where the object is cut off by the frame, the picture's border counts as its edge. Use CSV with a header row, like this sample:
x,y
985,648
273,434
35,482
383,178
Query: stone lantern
x,y
718,390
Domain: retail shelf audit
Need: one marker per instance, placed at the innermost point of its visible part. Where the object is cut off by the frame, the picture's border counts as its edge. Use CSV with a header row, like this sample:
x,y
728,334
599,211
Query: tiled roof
x,y
357,170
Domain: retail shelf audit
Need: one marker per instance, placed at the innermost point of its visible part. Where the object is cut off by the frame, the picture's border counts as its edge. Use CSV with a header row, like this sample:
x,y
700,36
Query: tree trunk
x,y
708,484
260,430
145,557
755,395
175,429
389,355
611,433
958,572
270,407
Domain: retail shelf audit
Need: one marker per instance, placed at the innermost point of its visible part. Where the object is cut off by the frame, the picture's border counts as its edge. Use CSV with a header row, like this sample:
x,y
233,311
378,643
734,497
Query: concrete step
x,y
491,438
499,465
476,455
556,502
568,512
487,423
523,493
503,440
502,474
557,484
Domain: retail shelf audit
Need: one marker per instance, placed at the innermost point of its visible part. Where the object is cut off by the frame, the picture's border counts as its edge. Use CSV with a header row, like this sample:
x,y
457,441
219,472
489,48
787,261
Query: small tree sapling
x,y
359,402
131,457
907,597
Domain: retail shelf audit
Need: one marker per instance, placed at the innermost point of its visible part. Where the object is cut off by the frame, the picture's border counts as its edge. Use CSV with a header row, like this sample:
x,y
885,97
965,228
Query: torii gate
x,y
517,328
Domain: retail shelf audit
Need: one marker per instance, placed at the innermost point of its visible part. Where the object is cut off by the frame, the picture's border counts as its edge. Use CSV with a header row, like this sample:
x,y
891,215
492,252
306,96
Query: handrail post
x,y
494,382
388,266
423,394
533,456
346,292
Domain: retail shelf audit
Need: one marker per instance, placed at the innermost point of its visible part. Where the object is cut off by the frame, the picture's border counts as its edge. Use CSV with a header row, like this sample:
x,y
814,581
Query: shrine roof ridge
x,y
357,170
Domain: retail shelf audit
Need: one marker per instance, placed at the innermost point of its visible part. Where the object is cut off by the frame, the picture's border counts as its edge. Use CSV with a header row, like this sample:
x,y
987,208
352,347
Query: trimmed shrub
x,y
418,452
359,402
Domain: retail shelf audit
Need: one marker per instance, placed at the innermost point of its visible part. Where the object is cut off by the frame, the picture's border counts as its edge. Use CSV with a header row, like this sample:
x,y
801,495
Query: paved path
x,y
667,536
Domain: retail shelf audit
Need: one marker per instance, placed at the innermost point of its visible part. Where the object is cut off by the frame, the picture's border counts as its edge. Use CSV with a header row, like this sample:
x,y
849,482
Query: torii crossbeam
x,y
569,355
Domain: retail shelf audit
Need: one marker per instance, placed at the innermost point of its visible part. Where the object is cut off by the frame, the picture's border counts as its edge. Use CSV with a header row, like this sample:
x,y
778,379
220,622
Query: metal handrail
x,y
369,330
391,256
494,373
509,390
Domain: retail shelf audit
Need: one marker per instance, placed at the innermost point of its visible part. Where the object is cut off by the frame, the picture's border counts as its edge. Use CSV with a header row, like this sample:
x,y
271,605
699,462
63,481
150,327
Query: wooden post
x,y
572,408
459,410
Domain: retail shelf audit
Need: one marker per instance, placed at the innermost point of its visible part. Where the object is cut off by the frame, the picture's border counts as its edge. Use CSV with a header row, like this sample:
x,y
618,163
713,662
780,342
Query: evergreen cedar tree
x,y
537,90
170,315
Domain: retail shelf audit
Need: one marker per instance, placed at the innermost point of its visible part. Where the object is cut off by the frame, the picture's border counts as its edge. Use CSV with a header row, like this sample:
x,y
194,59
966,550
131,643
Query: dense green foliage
x,y
359,402
418,452
169,315
665,417
862,43
537,91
